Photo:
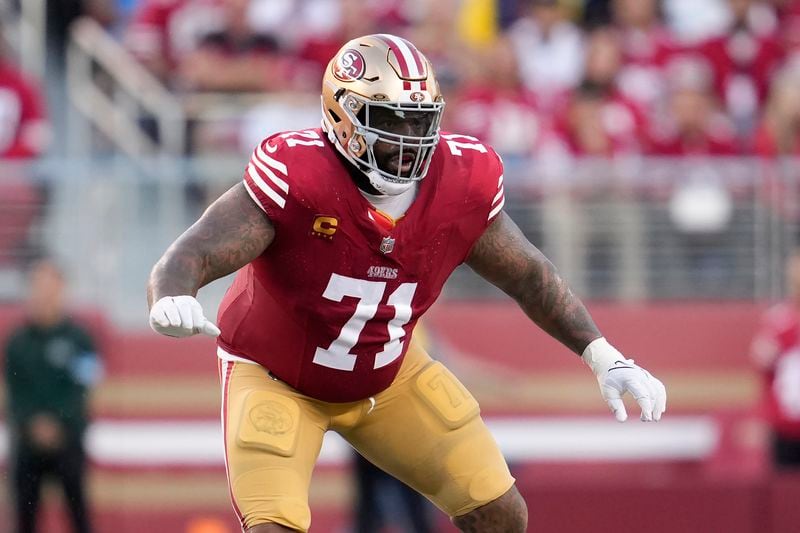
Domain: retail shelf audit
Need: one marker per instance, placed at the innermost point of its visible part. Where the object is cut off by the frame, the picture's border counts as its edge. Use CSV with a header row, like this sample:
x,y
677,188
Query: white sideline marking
x,y
154,443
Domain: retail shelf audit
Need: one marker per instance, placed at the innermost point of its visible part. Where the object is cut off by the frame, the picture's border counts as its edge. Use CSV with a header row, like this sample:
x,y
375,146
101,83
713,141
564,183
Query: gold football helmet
x,y
368,79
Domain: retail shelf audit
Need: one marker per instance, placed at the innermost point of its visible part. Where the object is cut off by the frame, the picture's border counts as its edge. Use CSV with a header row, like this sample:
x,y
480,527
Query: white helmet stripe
x,y
418,63
409,56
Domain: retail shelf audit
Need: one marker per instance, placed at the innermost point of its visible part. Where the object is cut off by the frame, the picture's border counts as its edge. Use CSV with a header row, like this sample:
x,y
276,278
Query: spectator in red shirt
x,y
24,134
233,57
647,46
497,108
776,351
598,120
779,131
24,129
162,32
744,59
691,123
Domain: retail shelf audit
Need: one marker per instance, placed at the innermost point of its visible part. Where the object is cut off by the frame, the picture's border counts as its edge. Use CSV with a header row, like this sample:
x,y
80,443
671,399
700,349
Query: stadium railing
x,y
649,229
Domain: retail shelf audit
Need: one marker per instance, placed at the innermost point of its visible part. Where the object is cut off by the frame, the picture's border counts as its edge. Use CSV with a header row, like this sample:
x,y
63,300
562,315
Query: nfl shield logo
x,y
387,245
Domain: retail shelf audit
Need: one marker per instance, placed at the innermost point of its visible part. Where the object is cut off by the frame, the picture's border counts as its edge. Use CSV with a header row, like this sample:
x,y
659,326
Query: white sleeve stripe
x,y
253,195
282,185
497,196
266,189
500,181
274,163
497,208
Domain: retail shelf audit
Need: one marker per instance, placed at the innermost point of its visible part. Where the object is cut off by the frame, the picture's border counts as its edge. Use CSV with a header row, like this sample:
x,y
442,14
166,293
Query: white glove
x,y
180,316
617,375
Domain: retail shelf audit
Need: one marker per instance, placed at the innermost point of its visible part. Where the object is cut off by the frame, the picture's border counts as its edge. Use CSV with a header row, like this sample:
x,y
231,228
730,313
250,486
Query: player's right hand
x,y
180,316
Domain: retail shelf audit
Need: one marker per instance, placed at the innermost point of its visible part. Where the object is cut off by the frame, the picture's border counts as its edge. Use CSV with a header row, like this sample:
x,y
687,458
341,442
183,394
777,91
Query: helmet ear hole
x,y
334,116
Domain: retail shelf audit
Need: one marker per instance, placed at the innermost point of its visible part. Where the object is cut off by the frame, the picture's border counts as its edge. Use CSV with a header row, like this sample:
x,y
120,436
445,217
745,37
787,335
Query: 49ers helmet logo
x,y
350,65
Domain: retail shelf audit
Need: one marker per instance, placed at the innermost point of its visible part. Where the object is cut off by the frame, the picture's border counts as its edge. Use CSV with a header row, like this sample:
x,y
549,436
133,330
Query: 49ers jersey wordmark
x,y
330,306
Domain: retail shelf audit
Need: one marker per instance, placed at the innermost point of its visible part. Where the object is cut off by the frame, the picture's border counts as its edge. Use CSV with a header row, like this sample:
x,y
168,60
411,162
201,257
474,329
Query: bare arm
x,y
504,257
232,232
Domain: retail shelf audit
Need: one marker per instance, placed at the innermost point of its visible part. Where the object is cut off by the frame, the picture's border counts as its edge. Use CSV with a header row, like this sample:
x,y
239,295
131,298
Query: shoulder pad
x,y
269,176
480,165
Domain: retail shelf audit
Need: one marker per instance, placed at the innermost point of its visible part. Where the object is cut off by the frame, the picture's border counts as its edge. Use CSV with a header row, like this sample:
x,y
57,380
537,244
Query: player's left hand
x,y
617,375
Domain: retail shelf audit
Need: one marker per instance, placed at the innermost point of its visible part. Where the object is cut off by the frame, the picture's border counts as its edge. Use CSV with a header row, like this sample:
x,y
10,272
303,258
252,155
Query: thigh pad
x,y
446,396
269,422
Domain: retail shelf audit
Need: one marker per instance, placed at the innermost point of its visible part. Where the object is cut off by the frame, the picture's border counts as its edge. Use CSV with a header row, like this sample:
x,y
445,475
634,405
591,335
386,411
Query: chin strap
x,y
387,188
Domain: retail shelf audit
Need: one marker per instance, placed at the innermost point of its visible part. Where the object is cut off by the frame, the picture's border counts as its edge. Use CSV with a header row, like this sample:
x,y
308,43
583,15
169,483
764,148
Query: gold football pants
x,y
425,430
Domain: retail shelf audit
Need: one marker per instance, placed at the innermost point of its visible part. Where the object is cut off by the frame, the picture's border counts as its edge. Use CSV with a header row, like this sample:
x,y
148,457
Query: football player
x,y
343,236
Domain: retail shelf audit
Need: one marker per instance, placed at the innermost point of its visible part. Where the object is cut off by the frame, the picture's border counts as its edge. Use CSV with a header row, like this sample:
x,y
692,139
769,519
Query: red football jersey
x,y
777,347
330,306
170,28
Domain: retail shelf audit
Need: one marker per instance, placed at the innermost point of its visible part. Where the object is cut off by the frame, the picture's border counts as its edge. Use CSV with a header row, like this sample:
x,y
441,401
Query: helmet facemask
x,y
392,143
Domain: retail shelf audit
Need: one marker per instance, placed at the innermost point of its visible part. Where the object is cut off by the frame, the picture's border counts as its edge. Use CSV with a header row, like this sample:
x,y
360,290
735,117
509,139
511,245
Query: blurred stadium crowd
x,y
534,77
545,78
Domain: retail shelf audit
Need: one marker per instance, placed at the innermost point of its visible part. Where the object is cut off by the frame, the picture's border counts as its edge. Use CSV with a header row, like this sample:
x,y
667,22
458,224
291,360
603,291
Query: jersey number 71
x,y
369,294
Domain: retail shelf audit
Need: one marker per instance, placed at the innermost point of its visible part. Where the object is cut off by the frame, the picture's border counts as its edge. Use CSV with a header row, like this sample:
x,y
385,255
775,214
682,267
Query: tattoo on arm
x,y
232,232
504,257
